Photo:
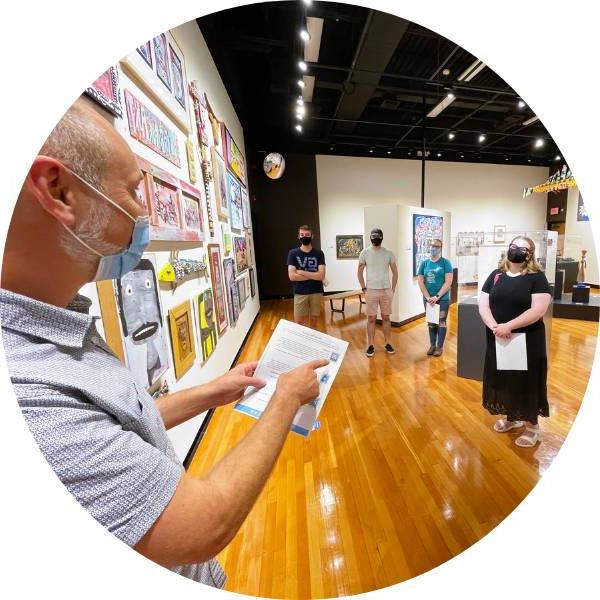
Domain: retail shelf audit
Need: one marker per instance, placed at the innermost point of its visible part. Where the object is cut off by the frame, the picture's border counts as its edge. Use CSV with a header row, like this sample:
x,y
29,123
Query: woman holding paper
x,y
435,279
513,301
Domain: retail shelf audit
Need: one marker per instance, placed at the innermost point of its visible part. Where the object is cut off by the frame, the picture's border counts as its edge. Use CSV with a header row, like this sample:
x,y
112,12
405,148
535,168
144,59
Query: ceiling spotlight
x,y
371,150
446,72
300,83
389,151
451,135
307,2
300,102
304,35
462,155
506,158
302,65
557,157
410,153
482,138
299,116
528,160
521,104
439,155
450,95
298,128
331,148
539,143
300,110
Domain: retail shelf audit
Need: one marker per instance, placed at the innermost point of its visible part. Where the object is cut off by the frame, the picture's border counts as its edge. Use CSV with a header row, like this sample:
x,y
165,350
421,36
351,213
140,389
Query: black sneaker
x,y
390,349
370,351
431,350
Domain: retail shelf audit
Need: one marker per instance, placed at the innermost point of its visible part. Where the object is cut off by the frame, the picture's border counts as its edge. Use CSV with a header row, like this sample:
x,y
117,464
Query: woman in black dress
x,y
514,299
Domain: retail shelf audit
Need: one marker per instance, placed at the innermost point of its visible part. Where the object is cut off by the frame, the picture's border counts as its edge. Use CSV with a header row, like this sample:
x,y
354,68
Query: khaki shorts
x,y
307,305
379,299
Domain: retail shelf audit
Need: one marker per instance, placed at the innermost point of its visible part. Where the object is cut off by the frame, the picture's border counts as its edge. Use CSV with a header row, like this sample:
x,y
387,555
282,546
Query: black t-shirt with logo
x,y
306,261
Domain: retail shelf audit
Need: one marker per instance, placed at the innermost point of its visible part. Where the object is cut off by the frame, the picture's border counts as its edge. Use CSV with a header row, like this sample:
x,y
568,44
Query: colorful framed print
x,y
190,213
241,285
182,338
233,155
161,54
582,213
145,51
179,86
233,299
165,205
205,319
227,242
105,91
241,254
140,314
234,197
425,229
218,286
148,129
245,208
348,247
252,274
220,181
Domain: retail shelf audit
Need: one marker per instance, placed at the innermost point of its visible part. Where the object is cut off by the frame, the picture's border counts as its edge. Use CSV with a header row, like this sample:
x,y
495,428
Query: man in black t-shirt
x,y
306,269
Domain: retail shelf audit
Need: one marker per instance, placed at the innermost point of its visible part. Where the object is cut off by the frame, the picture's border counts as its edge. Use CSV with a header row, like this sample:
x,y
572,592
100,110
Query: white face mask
x,y
115,266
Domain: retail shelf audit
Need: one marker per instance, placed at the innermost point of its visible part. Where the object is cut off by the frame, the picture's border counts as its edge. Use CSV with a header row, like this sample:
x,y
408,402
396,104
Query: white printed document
x,y
511,353
290,346
432,313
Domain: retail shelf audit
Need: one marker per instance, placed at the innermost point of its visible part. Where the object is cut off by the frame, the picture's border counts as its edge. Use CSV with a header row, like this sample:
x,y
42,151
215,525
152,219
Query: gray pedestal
x,y
471,341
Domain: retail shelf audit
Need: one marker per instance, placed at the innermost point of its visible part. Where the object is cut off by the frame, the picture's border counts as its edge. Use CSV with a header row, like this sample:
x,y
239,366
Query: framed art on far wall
x,y
182,338
105,91
348,247
218,286
179,84
499,234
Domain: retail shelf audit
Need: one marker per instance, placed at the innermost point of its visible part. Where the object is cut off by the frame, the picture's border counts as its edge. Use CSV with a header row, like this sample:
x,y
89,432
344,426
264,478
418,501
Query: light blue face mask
x,y
436,251
115,266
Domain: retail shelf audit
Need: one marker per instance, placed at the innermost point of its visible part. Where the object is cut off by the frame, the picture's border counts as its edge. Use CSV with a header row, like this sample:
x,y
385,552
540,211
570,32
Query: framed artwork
x,y
425,228
182,338
215,125
140,315
233,299
165,205
240,253
245,208
233,155
241,285
499,234
218,286
179,86
161,54
205,319
220,181
145,51
227,242
348,247
148,129
252,274
250,247
190,213
234,197
201,125
105,91
582,213
142,192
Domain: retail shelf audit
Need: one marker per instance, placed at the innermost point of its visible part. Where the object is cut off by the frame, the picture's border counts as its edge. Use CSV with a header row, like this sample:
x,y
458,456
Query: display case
x,y
484,252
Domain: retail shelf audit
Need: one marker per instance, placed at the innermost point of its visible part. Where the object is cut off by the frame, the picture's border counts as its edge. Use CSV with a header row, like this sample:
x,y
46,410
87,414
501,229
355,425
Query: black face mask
x,y
376,241
305,240
517,256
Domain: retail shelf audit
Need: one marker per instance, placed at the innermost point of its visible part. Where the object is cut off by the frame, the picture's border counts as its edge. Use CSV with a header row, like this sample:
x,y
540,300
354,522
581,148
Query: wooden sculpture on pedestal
x,y
582,266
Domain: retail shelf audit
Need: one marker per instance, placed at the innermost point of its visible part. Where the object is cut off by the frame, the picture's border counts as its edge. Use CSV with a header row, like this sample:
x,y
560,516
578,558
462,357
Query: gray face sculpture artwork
x,y
141,320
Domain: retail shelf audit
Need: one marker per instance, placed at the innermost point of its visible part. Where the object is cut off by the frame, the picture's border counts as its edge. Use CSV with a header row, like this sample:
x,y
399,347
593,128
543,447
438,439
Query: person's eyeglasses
x,y
435,246
521,248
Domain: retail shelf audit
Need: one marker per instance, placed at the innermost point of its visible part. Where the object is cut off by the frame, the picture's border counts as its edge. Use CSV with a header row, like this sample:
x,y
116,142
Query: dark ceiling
x,y
376,77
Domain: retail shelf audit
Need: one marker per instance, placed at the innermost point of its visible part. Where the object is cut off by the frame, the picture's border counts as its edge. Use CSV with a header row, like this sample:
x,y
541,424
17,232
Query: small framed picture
x,y
146,53
161,53
182,338
499,234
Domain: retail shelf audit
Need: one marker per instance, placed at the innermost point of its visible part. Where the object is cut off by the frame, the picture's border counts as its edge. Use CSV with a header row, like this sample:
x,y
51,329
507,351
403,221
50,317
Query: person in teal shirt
x,y
435,278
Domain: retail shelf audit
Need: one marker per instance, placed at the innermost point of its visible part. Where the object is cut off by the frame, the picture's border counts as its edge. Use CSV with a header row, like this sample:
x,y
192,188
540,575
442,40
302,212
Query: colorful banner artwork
x,y
425,229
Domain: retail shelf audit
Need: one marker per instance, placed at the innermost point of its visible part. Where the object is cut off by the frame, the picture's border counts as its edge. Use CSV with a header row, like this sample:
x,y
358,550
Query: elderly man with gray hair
x,y
76,220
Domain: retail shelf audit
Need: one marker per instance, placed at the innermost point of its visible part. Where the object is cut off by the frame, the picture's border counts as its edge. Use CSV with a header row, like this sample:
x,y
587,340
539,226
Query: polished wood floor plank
x,y
404,473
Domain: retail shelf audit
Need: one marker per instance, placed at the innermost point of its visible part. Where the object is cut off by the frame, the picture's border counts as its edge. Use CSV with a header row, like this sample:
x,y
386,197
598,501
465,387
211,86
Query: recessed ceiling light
x,y
557,157
410,153
300,102
439,154
462,155
451,135
307,2
299,116
482,138
300,110
371,150
521,104
298,127
506,158
528,160
446,72
450,95
389,151
300,83
302,65
539,143
304,35
331,148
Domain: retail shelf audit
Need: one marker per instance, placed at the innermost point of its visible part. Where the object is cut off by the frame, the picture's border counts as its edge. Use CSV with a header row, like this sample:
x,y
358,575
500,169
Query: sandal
x,y
529,438
504,425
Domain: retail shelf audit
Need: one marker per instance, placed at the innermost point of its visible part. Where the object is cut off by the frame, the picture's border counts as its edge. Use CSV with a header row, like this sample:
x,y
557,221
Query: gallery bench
x,y
343,296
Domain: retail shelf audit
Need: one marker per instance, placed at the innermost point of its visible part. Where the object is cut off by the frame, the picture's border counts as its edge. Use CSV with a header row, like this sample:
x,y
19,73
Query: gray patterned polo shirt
x,y
99,430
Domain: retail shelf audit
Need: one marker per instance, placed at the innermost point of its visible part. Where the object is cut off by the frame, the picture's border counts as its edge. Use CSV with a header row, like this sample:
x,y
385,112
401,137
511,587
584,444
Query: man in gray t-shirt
x,y
379,292
78,219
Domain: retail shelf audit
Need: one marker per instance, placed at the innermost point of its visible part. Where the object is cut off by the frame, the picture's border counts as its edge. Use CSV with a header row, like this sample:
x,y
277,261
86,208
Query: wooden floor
x,y
404,473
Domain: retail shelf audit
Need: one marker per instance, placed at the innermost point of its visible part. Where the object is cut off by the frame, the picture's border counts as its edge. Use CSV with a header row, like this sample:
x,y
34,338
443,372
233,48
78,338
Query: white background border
x,y
51,51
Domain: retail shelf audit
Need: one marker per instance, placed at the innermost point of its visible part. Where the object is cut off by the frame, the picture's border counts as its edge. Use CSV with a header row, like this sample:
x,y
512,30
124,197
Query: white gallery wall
x,y
582,237
200,67
478,196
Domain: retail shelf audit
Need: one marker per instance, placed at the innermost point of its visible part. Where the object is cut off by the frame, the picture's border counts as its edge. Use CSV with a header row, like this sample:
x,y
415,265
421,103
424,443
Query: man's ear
x,y
52,188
